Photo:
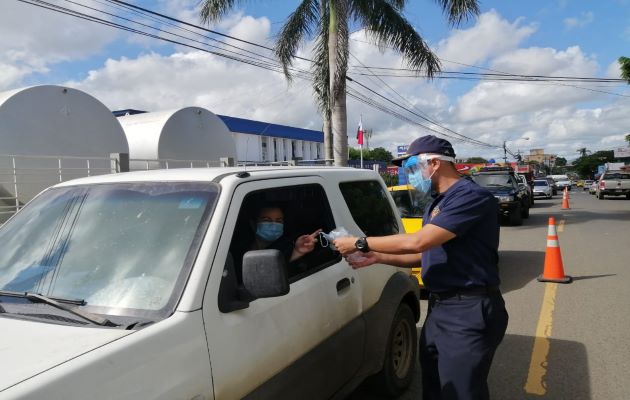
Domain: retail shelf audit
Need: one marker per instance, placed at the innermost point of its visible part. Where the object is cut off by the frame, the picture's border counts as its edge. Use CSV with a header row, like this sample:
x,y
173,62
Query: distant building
x,y
258,141
540,157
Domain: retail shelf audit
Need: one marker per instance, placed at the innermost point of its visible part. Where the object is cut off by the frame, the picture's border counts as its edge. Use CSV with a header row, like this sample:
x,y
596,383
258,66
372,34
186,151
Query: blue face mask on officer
x,y
415,166
269,231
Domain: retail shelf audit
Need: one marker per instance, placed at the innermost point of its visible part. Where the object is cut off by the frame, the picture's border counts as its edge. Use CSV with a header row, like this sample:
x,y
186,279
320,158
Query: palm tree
x,y
583,151
330,19
624,63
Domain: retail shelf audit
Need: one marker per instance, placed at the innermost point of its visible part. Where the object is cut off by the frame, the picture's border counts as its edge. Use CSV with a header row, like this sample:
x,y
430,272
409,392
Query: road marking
x,y
561,226
536,383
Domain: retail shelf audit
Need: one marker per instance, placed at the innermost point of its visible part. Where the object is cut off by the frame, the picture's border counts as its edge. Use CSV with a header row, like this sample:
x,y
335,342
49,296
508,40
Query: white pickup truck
x,y
613,183
134,286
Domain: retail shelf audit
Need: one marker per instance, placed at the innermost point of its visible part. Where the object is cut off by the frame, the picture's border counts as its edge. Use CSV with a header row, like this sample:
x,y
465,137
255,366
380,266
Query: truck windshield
x,y
125,249
503,180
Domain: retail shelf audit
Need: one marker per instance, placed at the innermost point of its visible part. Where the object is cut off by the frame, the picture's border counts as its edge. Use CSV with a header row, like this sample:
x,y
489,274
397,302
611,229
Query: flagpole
x,y
361,123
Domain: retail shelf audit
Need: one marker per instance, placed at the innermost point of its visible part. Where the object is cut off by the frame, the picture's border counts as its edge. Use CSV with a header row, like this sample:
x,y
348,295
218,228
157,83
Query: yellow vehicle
x,y
411,209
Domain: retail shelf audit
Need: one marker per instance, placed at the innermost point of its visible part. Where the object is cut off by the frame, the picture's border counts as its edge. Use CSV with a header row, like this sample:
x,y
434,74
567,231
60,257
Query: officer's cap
x,y
428,144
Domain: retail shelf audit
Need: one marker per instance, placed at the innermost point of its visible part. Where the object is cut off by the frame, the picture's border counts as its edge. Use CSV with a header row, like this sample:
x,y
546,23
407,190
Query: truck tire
x,y
516,217
600,196
400,355
525,212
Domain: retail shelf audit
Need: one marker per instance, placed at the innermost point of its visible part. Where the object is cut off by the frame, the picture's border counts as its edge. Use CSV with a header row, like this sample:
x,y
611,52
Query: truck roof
x,y
212,174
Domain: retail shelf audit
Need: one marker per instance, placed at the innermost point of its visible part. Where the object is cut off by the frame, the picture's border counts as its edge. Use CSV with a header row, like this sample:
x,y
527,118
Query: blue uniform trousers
x,y
457,344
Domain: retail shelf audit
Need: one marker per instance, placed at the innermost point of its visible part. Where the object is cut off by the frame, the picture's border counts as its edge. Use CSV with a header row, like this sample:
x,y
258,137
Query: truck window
x,y
305,209
370,208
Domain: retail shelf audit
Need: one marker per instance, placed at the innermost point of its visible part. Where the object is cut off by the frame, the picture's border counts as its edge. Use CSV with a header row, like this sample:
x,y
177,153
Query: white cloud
x,y
33,39
494,99
583,20
489,37
154,82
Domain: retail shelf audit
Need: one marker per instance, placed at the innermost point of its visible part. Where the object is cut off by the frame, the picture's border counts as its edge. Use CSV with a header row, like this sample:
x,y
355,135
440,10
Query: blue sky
x,y
576,38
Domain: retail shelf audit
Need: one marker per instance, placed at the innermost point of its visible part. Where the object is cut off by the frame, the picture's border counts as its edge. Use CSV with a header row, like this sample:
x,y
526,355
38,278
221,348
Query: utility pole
x,y
504,153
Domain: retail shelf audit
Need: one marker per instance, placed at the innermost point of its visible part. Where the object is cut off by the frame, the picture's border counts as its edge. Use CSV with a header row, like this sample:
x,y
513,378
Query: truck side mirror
x,y
264,273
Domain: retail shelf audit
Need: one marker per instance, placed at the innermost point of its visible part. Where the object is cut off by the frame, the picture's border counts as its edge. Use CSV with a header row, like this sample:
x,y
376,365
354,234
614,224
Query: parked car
x,y
592,189
542,188
513,200
586,184
562,181
523,184
132,286
554,186
614,183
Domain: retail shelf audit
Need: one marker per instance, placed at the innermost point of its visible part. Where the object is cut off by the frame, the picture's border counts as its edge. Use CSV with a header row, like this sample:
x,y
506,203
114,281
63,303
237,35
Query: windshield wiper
x,y
59,303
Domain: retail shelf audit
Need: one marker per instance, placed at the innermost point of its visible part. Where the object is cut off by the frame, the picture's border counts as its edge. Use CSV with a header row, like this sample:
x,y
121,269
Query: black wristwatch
x,y
362,245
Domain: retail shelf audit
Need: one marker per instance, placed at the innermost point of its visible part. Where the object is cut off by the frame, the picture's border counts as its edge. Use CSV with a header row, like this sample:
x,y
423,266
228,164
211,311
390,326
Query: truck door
x,y
303,345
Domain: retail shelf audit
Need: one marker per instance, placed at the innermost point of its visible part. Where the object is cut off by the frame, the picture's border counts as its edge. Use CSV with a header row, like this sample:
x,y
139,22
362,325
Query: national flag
x,y
360,132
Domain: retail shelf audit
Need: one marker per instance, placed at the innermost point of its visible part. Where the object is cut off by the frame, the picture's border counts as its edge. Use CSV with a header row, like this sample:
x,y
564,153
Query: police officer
x,y
458,247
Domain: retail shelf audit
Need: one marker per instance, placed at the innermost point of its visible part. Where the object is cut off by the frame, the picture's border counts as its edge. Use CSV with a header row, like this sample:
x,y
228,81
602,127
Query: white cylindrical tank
x,y
57,121
190,133
50,134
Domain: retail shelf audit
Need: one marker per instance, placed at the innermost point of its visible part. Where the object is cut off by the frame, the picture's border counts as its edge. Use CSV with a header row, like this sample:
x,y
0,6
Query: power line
x,y
420,113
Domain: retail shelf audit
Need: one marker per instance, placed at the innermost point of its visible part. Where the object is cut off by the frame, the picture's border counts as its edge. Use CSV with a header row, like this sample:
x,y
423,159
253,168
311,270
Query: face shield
x,y
417,170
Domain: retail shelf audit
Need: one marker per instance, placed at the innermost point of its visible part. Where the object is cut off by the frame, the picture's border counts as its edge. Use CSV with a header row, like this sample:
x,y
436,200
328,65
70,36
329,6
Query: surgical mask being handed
x,y
414,168
269,231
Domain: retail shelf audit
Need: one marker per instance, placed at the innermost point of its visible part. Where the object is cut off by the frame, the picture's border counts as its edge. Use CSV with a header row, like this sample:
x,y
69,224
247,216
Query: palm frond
x,y
298,26
459,10
624,63
214,10
397,4
387,26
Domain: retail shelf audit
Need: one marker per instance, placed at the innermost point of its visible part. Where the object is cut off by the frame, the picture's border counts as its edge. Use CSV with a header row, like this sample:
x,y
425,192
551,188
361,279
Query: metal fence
x,y
23,177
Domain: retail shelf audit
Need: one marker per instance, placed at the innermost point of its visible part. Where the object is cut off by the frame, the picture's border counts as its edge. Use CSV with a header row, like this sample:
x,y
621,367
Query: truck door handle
x,y
342,284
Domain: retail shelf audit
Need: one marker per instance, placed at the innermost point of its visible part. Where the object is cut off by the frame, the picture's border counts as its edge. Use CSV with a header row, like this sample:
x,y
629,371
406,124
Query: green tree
x,y
380,154
476,160
561,161
624,63
328,22
586,166
377,154
627,138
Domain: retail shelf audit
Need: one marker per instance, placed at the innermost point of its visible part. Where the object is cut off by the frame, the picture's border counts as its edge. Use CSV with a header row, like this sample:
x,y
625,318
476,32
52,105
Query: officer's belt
x,y
466,292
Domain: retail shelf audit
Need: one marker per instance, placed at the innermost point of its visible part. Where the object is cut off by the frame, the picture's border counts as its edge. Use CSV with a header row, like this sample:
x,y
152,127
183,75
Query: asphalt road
x,y
564,341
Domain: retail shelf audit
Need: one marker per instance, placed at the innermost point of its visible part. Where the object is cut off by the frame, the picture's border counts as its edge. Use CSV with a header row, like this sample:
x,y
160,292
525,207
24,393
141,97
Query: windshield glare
x,y
119,247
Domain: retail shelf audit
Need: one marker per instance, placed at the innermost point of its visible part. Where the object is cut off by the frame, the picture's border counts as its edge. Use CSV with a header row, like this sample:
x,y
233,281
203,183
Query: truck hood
x,y
28,348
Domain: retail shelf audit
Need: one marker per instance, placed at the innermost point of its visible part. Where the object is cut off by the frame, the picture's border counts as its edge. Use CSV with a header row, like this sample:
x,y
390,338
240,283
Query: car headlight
x,y
504,198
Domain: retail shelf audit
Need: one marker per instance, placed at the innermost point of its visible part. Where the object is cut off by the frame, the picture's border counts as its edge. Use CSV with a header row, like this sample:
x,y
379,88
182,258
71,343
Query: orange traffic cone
x,y
565,199
553,271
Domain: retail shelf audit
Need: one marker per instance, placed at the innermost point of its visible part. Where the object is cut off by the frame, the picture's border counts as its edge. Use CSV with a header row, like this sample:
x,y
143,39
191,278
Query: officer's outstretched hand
x,y
365,260
345,245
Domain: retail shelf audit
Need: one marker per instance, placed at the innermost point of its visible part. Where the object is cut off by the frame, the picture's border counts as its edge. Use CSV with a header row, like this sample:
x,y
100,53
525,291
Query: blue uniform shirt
x,y
469,259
